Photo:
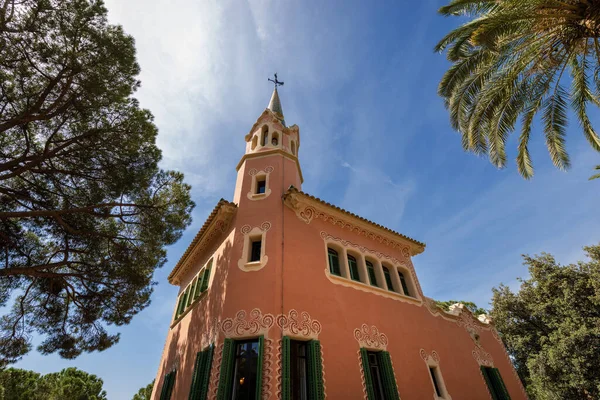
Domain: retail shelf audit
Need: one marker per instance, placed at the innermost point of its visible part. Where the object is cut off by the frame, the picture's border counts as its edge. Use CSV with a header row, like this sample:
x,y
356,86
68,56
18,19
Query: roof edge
x,y
416,246
218,219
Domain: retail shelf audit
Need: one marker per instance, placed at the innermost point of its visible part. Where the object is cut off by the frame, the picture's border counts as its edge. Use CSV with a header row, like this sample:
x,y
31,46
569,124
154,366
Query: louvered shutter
x,y
205,279
364,356
225,378
389,383
204,378
196,376
315,371
168,384
499,383
488,381
286,387
259,367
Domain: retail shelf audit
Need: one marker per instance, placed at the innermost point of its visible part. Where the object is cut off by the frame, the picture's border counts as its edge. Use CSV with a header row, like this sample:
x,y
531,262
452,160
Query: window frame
x,y
352,271
251,253
331,250
387,276
371,273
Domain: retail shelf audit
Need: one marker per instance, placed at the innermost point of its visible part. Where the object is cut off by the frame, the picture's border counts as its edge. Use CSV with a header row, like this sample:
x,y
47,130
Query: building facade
x,y
285,296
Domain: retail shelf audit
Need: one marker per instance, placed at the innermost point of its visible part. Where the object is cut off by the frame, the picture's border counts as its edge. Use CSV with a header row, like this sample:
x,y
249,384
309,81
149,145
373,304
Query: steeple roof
x,y
275,106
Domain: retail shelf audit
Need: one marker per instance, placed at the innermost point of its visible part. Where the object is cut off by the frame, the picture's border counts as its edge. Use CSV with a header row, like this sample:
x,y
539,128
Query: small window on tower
x,y
275,139
261,186
255,249
264,135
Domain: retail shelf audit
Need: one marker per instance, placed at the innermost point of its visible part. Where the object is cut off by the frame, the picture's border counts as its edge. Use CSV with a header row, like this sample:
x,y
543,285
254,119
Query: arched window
x,y
334,262
264,135
254,141
388,279
275,139
371,272
293,148
404,285
353,266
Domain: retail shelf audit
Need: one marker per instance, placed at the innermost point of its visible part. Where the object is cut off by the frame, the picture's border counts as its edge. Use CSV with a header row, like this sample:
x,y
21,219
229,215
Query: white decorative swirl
x,y
370,337
303,326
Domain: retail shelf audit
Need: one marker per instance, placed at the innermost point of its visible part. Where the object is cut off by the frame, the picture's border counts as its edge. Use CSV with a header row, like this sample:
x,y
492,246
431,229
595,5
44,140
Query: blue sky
x,y
360,81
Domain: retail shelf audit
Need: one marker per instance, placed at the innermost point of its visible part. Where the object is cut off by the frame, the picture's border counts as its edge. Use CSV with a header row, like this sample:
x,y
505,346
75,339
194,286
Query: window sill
x,y
253,264
189,308
340,280
258,196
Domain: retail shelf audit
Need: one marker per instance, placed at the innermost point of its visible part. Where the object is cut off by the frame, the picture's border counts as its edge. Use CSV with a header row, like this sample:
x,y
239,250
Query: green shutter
x,y
499,383
259,367
286,389
488,381
168,384
225,378
389,383
315,371
204,378
205,279
367,373
178,309
196,375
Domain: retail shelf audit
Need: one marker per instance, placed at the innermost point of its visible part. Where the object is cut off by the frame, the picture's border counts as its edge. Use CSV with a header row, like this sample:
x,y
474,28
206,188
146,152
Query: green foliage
x,y
551,327
68,384
445,305
144,393
511,60
85,211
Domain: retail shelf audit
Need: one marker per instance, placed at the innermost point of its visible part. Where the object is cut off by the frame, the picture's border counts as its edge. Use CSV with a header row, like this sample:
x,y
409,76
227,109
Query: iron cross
x,y
276,82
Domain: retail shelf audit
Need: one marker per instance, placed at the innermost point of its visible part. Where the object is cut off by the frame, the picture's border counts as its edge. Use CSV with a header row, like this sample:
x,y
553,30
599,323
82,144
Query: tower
x,y
286,296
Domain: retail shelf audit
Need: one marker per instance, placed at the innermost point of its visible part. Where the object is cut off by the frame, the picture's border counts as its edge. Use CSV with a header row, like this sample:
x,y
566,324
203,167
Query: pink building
x,y
285,296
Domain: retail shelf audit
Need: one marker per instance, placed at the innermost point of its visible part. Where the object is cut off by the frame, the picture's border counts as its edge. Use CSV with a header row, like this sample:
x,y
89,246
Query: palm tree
x,y
513,59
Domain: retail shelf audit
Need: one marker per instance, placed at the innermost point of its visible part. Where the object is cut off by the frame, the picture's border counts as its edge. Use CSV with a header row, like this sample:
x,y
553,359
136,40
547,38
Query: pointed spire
x,y
275,105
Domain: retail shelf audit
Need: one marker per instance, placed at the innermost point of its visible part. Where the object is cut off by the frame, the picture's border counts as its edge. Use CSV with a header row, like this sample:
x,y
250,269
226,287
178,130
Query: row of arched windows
x,y
387,282
264,139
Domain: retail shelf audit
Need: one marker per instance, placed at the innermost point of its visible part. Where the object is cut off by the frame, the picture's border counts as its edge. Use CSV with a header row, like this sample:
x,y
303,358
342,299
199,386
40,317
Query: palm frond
x,y
555,123
597,175
580,95
468,7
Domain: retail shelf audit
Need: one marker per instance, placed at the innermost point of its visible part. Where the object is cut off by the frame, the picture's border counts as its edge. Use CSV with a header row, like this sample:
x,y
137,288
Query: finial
x,y
275,103
276,82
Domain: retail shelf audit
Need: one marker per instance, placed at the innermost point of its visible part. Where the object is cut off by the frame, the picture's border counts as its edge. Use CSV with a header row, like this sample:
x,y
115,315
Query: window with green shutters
x,y
371,272
495,383
193,291
167,387
302,370
379,375
201,375
353,266
241,370
334,262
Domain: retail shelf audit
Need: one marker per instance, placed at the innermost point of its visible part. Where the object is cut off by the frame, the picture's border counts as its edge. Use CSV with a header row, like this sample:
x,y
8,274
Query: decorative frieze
x,y
370,338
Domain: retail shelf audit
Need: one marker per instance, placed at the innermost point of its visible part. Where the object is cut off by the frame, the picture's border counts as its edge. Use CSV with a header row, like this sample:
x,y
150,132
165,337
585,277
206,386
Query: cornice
x,y
270,153
308,208
216,224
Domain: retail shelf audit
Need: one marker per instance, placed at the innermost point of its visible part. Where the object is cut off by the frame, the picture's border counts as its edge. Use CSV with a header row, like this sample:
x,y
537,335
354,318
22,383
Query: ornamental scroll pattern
x,y
267,170
404,262
293,325
370,338
308,213
240,326
433,356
